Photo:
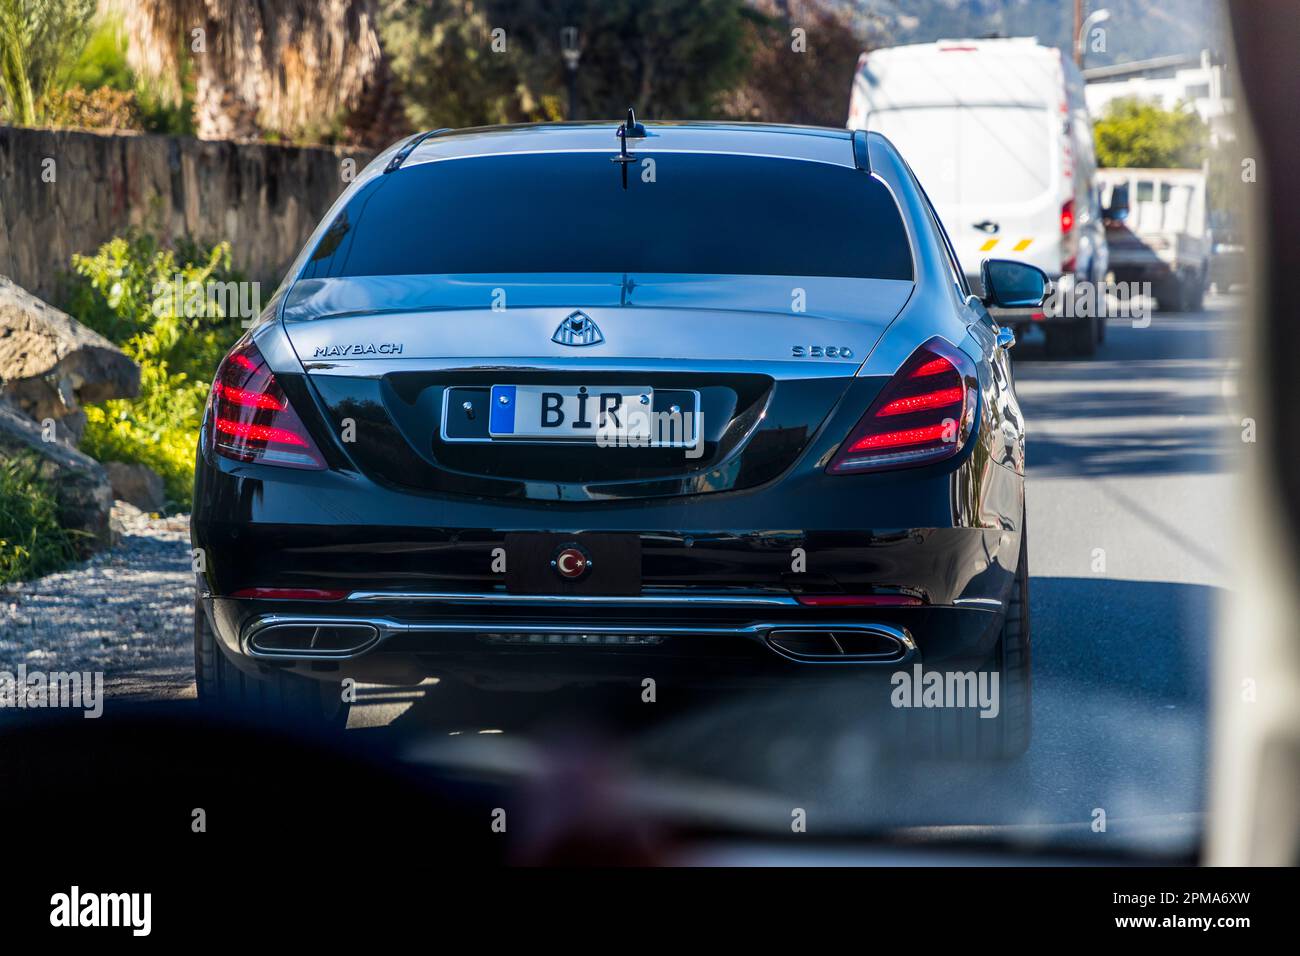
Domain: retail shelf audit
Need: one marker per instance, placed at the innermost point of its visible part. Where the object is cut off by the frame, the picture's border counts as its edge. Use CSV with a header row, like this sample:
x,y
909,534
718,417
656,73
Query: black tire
x,y
966,733
277,695
1077,339
1171,296
1194,297
1013,661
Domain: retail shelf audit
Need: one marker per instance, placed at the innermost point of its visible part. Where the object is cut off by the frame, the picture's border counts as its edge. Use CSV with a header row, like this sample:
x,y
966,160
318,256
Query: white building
x,y
1170,80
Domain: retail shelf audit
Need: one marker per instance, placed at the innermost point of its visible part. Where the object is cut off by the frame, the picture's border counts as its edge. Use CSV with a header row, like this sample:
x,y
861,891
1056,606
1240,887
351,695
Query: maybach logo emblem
x,y
578,329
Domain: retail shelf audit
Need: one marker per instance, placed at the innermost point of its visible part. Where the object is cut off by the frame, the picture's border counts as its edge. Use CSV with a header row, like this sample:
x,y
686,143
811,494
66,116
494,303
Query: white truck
x,y
998,133
1158,232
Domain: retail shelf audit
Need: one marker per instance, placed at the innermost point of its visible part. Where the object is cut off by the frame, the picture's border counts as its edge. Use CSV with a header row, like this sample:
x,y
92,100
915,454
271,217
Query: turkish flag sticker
x,y
593,564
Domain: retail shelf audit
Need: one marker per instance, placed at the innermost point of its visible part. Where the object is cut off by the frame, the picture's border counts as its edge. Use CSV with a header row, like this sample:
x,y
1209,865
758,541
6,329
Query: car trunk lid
x,y
409,362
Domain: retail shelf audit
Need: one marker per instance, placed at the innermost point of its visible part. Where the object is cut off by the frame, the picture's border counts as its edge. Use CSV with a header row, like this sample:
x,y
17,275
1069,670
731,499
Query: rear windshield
x,y
569,213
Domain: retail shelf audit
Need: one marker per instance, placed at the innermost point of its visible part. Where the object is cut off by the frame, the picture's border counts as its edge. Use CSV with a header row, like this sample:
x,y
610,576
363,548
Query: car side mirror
x,y
1013,285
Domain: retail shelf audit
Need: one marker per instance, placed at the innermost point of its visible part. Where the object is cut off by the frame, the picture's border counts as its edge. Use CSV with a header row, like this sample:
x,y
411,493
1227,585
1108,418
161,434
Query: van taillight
x,y
1067,217
922,415
250,418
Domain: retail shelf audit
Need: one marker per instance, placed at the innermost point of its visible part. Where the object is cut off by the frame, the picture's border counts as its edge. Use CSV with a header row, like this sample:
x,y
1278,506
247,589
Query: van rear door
x,y
991,173
1008,183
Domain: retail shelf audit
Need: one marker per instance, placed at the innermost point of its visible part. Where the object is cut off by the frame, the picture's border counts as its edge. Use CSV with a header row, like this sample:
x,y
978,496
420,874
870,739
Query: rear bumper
x,y
719,572
404,641
713,607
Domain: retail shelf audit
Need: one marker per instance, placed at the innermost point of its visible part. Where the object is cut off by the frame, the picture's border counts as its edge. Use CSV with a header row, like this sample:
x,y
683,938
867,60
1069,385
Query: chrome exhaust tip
x,y
843,644
309,639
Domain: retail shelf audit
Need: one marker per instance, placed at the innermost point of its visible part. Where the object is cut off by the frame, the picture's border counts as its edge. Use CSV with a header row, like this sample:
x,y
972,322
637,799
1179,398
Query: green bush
x,y
102,67
124,292
1138,133
31,541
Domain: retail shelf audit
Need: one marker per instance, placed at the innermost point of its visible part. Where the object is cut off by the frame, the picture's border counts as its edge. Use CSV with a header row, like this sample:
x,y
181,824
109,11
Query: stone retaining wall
x,y
264,199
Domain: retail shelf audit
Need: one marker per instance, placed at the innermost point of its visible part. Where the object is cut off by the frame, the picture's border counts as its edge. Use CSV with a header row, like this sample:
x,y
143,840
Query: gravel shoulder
x,y
126,612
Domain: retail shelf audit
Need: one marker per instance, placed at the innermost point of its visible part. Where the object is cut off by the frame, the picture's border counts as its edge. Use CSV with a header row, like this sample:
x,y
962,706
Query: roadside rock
x,y
50,363
81,486
138,484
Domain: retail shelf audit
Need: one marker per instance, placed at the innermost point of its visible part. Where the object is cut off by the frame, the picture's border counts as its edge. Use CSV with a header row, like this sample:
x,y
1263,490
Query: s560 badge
x,y
821,351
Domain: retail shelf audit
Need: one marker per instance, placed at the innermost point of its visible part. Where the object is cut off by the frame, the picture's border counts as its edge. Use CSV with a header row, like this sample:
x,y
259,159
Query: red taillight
x,y
939,398
1067,217
241,397
922,415
250,418
932,367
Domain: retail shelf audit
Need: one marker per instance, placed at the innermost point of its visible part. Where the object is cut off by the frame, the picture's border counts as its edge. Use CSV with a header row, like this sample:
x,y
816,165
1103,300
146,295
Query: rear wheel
x,y
1194,297
981,733
1077,339
278,695
1174,294
1011,659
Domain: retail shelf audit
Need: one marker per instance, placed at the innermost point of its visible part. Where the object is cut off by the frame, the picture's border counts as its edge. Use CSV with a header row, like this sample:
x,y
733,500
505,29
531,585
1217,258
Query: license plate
x,y
571,412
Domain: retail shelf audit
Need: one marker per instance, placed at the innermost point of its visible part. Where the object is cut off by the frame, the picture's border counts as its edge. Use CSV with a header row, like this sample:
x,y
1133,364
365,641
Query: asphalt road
x,y
1131,455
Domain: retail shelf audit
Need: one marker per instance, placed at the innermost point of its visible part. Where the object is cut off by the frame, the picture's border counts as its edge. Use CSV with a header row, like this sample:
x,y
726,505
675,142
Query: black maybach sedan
x,y
565,403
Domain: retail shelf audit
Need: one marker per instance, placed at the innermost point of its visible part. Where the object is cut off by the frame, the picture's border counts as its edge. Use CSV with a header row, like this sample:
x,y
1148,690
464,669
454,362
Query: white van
x,y
997,132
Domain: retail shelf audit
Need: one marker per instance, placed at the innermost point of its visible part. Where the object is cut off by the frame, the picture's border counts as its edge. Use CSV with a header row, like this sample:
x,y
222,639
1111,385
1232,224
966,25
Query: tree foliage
x,y
802,54
39,41
478,62
671,59
293,69
1140,133
101,71
451,76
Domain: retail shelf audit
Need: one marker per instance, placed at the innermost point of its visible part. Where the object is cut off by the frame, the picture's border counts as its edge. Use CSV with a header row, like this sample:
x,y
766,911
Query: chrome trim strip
x,y
657,600
779,369
388,628
978,602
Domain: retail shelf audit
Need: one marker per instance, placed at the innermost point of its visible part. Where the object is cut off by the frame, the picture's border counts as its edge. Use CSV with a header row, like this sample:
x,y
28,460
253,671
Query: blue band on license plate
x,y
501,420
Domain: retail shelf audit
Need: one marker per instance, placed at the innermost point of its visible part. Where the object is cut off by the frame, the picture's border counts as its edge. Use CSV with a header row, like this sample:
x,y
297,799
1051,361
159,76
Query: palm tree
x,y
297,69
